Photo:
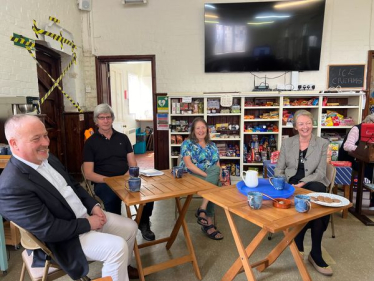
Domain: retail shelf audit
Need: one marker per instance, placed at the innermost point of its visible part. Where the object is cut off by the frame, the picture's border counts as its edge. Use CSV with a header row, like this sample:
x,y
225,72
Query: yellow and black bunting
x,y
21,41
57,81
54,19
29,44
54,36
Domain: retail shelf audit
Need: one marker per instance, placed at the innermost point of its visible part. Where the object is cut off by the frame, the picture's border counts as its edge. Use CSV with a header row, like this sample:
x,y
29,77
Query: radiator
x,y
131,133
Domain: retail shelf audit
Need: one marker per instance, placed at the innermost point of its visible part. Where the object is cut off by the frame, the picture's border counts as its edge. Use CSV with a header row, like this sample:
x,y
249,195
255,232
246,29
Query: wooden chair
x,y
50,271
90,189
330,174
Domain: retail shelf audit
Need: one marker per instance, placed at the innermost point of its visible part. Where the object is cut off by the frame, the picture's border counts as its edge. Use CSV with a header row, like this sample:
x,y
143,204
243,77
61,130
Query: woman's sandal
x,y
213,234
201,220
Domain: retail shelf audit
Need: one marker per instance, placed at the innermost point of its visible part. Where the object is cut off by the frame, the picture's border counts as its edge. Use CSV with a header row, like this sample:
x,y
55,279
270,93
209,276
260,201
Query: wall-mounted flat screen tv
x,y
263,36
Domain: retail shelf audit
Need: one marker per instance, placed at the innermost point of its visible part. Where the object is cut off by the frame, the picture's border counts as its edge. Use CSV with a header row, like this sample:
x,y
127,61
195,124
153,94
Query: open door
x,y
103,81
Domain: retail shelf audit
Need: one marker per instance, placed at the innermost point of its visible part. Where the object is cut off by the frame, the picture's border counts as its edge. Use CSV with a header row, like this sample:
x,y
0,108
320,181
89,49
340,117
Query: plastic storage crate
x,y
140,147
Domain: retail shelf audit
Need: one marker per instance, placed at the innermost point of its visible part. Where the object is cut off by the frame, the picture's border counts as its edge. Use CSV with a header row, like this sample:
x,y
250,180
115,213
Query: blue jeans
x,y
112,203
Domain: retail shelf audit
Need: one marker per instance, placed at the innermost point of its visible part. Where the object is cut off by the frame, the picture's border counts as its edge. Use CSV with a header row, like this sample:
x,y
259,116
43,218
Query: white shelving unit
x,y
350,105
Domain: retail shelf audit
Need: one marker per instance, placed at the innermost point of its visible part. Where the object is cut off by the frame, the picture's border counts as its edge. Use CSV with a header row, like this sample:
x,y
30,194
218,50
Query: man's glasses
x,y
102,118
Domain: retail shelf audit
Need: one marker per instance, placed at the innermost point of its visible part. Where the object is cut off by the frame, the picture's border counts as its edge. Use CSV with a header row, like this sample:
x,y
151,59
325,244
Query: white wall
x,y
18,71
173,30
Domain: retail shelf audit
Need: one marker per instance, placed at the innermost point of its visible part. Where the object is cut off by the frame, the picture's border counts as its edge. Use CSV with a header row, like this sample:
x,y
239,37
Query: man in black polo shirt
x,y
108,153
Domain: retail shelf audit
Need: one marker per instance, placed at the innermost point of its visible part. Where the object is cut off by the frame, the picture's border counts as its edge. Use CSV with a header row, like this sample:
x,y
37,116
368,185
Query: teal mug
x,y
177,172
278,182
133,184
254,200
302,203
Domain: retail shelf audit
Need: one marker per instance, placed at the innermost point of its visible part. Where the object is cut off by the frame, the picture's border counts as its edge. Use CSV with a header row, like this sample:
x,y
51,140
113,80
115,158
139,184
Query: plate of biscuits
x,y
328,199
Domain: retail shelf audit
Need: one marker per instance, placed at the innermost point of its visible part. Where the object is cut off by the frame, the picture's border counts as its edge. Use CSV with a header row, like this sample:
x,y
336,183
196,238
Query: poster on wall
x,y
162,104
162,122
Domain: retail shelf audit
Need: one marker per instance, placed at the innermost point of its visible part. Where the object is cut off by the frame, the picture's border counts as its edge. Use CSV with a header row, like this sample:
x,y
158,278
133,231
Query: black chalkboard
x,y
347,76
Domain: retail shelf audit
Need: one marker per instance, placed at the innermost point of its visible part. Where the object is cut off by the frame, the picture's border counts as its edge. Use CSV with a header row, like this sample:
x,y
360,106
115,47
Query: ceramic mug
x,y
134,172
302,203
254,199
133,184
177,172
278,182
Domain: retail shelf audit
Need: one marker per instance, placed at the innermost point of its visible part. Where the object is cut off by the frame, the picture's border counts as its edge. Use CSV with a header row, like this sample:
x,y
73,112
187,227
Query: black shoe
x,y
132,272
145,229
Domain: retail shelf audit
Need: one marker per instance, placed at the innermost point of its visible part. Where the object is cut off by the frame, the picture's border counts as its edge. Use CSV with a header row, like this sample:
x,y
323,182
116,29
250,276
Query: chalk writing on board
x,y
346,76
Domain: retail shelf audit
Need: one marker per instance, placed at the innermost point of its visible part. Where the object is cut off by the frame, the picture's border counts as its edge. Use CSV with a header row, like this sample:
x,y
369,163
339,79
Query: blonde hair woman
x,y
302,160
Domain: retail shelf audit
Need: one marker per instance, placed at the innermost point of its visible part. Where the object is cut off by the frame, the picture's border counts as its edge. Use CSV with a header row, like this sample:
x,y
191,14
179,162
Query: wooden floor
x,y
145,160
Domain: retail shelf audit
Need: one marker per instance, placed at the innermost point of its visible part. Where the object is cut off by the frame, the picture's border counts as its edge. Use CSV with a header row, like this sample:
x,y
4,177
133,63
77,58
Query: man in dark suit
x,y
37,193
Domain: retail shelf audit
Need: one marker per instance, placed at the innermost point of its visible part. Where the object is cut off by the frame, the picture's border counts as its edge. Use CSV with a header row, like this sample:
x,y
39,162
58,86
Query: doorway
x,y
53,106
122,80
370,85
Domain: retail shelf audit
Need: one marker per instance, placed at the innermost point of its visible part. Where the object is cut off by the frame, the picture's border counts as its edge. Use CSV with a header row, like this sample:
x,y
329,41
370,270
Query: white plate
x,y
343,201
151,172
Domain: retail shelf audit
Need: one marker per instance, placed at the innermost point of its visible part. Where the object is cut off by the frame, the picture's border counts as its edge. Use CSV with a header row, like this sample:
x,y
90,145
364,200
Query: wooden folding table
x,y
156,189
270,220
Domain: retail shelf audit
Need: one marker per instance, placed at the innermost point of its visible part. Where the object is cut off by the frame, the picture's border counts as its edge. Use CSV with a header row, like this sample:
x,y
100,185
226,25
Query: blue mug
x,y
177,172
278,182
133,184
302,203
134,172
254,199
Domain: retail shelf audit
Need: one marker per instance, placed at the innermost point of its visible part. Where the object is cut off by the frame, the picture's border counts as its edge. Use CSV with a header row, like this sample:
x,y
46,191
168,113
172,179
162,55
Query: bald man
x,y
37,193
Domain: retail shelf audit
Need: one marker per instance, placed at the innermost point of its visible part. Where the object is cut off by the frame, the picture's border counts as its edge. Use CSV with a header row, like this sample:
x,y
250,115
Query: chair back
x,y
88,185
330,174
30,242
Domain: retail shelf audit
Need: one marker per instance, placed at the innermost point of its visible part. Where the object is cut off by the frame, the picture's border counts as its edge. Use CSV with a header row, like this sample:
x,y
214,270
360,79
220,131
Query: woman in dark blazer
x,y
302,160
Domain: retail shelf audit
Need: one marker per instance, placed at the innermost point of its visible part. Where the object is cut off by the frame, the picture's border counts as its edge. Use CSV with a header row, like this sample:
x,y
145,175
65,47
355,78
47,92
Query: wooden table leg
x,y
136,247
182,213
299,262
346,190
188,237
244,254
278,249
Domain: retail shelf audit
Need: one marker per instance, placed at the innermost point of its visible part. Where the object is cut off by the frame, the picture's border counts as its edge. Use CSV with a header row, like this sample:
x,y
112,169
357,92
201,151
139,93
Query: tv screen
x,y
263,36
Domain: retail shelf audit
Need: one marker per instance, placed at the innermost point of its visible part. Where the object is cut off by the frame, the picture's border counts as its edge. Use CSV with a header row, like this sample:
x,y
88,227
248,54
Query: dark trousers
x,y
317,226
112,203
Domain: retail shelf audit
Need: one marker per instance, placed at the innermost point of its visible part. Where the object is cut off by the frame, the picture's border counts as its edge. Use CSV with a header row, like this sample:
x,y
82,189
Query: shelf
x,y
261,133
260,120
336,127
225,139
341,106
350,105
262,107
223,114
300,106
227,157
187,115
291,127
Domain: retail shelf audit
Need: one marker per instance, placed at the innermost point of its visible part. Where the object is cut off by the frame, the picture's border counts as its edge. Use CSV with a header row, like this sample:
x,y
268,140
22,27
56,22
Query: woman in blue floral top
x,y
201,158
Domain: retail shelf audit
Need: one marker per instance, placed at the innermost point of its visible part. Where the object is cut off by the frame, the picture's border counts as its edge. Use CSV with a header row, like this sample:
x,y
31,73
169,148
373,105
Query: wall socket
x,y
306,87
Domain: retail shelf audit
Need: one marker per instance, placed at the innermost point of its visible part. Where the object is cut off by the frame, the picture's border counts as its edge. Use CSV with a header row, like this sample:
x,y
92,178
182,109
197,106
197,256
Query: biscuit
x,y
321,198
328,199
314,198
336,201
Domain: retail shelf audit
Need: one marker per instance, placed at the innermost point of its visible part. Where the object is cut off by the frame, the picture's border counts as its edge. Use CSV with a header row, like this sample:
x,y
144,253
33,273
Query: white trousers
x,y
113,245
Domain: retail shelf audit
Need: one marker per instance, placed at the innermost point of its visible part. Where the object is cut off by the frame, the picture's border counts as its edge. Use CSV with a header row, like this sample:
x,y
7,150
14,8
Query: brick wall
x,y
17,68
173,30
